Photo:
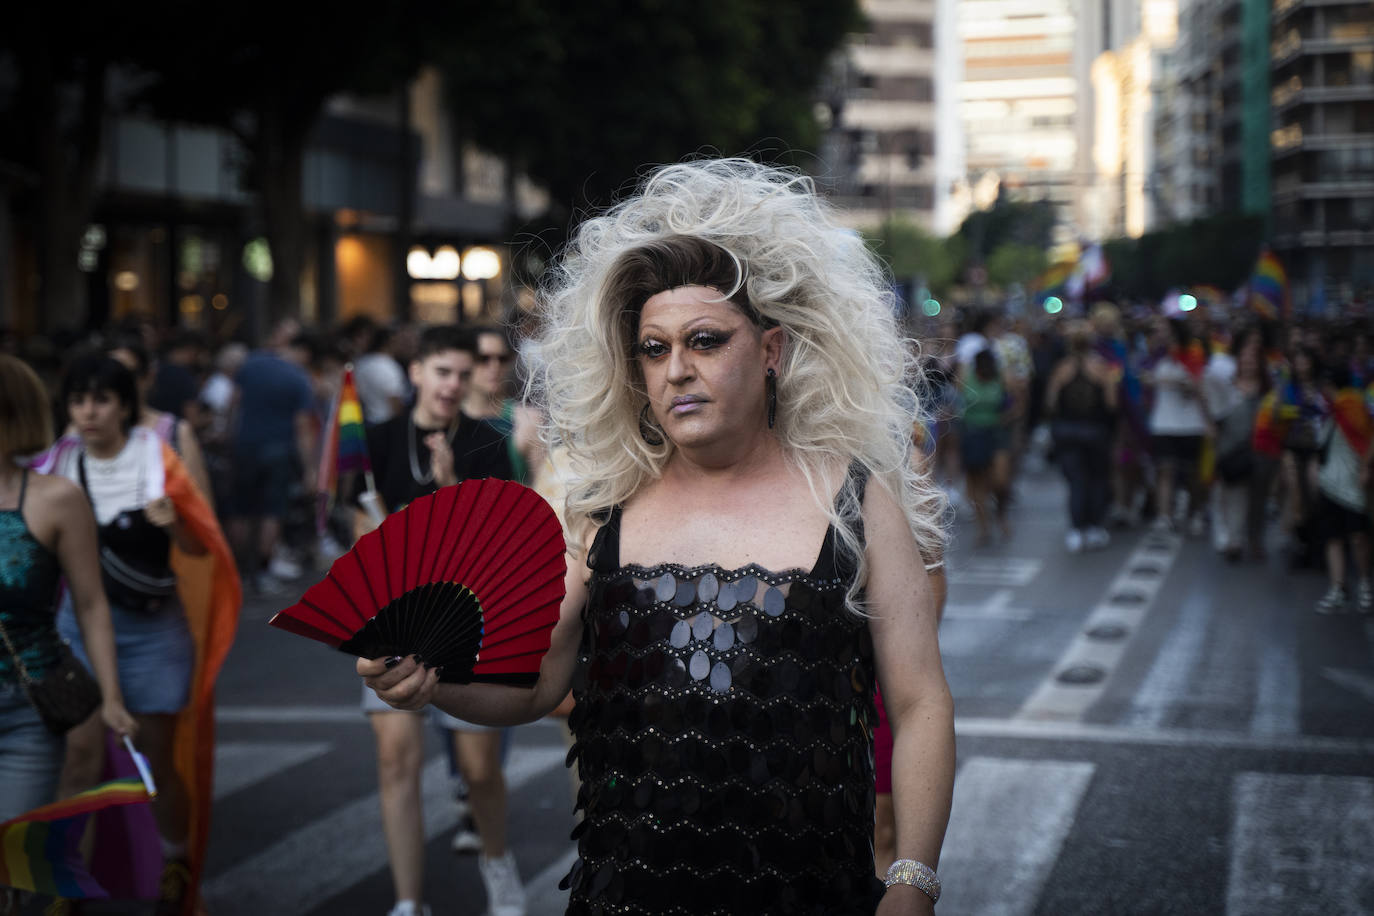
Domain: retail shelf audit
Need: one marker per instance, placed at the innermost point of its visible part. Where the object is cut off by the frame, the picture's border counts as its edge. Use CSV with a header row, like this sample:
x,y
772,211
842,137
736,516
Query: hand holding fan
x,y
469,578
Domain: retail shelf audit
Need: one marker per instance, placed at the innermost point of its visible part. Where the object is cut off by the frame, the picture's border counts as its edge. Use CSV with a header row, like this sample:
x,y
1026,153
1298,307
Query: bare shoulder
x,y
55,491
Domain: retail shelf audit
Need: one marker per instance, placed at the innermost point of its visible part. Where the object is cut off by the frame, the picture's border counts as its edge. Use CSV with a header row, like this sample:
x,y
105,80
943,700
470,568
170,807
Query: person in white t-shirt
x,y
381,383
1178,422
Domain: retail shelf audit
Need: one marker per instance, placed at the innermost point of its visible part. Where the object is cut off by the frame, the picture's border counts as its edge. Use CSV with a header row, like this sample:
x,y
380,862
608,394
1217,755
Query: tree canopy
x,y
580,96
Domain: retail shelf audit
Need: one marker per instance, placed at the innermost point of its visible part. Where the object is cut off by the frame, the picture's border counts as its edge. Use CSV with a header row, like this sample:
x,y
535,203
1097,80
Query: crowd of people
x,y
1253,431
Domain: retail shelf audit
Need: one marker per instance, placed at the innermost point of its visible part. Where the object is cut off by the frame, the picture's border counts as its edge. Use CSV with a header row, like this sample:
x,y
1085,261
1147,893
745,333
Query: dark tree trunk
x,y
66,185
281,162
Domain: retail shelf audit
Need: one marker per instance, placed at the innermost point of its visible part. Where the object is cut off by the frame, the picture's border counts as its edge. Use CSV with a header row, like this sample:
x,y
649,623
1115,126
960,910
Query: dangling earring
x,y
771,383
648,431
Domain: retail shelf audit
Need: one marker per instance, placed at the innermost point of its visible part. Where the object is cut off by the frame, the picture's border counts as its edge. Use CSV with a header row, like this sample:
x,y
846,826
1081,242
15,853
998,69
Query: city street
x,y
1143,729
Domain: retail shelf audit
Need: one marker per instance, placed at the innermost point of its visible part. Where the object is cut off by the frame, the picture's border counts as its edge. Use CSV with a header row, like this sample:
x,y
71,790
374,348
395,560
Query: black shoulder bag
x,y
66,696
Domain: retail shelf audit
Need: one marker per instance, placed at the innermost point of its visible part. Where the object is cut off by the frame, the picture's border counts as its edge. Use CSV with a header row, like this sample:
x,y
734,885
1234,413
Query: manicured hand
x,y
401,683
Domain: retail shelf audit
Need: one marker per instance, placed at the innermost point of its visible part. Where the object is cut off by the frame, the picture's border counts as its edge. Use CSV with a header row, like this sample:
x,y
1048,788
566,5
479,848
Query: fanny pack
x,y
139,578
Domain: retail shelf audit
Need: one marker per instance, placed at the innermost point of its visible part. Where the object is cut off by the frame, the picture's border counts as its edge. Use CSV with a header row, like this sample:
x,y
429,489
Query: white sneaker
x,y
409,908
466,838
1096,538
505,895
1073,541
283,565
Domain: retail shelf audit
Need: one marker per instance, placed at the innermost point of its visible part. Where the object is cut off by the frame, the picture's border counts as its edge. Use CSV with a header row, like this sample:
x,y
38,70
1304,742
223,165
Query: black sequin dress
x,y
724,725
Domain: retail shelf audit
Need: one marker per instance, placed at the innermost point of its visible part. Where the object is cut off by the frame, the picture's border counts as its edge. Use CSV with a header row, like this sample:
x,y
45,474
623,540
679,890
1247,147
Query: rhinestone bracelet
x,y
917,874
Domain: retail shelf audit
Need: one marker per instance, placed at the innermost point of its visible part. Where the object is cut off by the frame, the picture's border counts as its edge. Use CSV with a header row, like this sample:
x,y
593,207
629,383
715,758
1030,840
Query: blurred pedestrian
x,y
983,442
272,445
434,445
1234,384
174,387
1343,478
381,382
144,505
177,433
47,534
490,398
1178,421
1081,401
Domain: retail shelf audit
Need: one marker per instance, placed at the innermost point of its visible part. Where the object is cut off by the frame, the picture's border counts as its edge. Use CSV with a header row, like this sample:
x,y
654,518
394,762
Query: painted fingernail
x,y
393,661
419,659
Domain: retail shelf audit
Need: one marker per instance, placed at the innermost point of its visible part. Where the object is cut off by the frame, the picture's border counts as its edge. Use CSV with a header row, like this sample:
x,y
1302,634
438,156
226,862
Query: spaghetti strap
x,y
23,488
833,561
605,553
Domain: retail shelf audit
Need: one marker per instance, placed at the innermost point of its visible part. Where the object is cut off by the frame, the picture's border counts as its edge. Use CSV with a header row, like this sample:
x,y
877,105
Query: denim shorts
x,y
436,716
155,654
30,755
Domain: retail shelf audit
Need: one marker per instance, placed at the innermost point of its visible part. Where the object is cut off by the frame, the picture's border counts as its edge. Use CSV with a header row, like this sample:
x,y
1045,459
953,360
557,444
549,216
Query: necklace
x,y
424,478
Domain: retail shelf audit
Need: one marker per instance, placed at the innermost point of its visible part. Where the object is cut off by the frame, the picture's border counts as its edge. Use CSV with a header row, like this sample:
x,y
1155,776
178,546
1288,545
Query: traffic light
x,y
1187,303
931,307
1053,305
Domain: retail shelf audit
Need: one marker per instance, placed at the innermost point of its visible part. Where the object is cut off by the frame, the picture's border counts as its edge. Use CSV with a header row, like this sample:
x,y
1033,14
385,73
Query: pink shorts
x,y
882,749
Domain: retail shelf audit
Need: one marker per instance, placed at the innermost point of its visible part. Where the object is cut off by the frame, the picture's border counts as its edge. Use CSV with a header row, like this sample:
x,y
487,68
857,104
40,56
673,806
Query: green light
x,y
1187,303
1054,305
931,307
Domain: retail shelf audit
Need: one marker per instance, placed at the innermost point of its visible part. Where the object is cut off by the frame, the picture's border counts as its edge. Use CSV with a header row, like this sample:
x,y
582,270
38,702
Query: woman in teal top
x,y
983,443
47,531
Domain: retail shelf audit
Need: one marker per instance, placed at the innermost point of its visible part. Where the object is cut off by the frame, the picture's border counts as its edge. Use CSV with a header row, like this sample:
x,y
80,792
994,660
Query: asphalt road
x,y
1142,729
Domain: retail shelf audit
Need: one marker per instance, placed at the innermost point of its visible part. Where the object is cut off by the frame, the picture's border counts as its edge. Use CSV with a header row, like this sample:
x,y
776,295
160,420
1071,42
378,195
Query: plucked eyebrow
x,y
652,330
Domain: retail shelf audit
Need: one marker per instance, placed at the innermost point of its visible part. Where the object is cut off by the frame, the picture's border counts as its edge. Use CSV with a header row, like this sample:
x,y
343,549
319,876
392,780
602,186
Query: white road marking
x,y
1054,699
1059,731
1006,827
1000,571
1300,844
1278,688
1168,679
996,607
335,851
239,764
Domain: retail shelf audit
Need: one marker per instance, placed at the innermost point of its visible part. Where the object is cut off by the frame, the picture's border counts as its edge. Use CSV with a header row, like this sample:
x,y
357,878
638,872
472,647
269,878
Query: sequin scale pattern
x,y
724,743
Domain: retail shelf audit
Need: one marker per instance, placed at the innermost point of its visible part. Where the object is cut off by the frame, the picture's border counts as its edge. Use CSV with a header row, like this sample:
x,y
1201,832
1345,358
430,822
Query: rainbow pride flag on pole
x,y
40,851
1269,295
345,447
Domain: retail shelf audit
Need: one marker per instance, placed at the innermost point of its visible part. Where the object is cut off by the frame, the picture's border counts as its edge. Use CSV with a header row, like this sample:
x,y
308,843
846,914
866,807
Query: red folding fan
x,y
469,578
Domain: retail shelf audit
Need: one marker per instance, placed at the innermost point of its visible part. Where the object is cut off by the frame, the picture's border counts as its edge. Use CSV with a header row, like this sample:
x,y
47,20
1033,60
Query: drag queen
x,y
721,362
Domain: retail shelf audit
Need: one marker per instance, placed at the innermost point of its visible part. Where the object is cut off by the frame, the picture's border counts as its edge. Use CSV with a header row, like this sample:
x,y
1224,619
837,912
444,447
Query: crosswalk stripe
x,y
239,764
1003,571
1300,844
336,851
1278,685
1060,732
1168,679
1125,606
1008,822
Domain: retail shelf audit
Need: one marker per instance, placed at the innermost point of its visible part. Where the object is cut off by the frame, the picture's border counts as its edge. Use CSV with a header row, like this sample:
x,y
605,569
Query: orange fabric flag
x,y
209,589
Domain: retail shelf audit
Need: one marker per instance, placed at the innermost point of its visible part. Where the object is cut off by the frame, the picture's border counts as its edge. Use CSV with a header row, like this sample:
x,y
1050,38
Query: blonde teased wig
x,y
846,384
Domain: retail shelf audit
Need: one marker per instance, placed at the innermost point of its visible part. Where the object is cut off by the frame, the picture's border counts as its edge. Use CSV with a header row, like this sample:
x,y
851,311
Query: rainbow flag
x,y
1054,278
40,851
345,446
1269,294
